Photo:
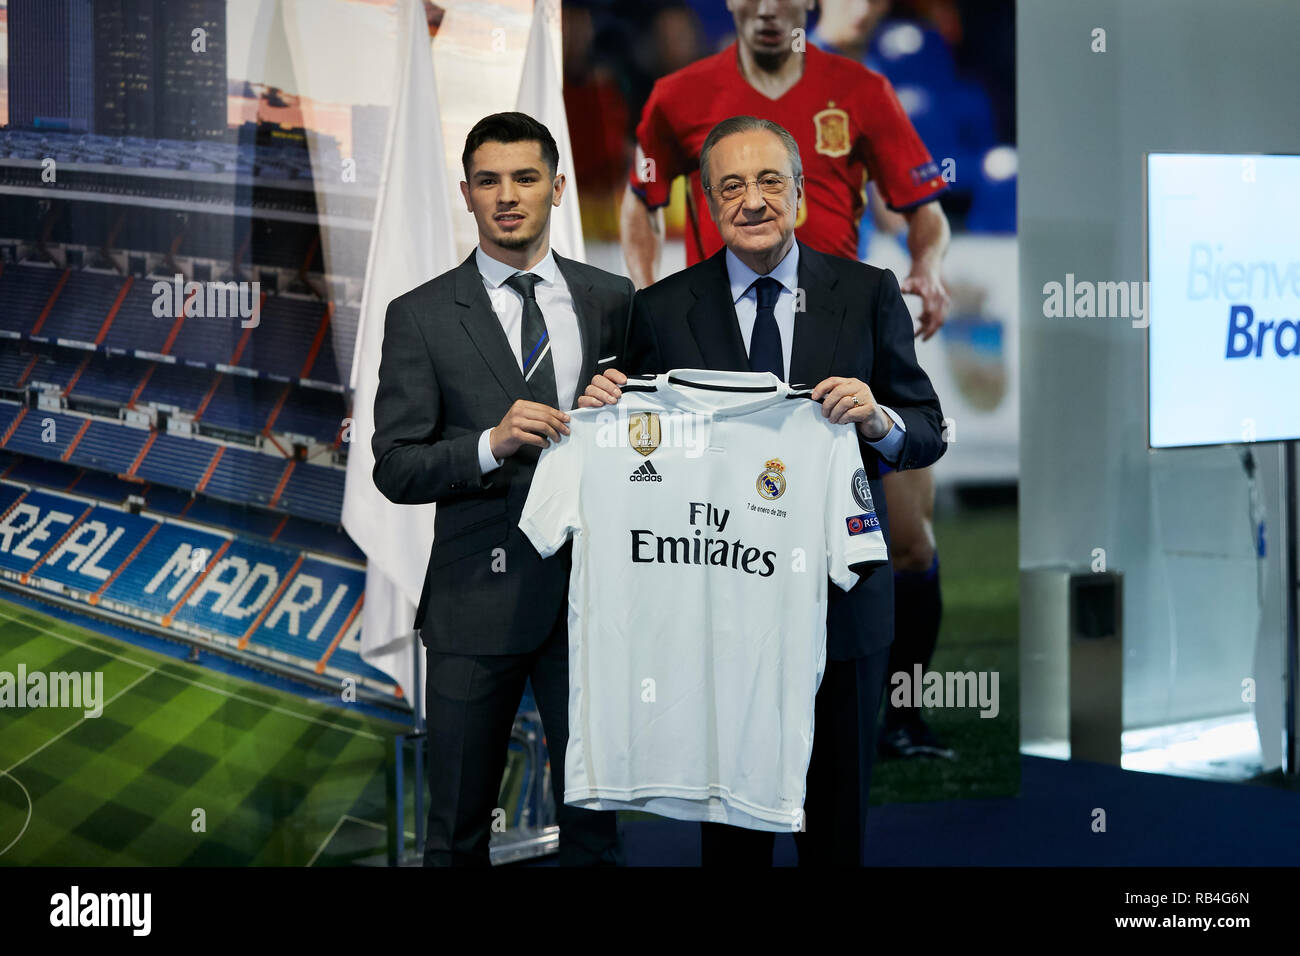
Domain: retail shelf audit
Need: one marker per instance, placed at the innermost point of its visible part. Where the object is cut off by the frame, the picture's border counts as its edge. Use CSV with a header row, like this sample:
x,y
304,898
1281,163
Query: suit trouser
x,y
839,776
471,705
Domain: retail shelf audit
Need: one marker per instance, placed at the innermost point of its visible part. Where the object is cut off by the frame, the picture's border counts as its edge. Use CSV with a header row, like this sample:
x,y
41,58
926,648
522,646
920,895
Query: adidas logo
x,y
645,473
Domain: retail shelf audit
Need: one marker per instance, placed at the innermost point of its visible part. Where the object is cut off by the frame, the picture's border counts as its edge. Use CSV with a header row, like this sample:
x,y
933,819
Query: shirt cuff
x,y
891,445
486,460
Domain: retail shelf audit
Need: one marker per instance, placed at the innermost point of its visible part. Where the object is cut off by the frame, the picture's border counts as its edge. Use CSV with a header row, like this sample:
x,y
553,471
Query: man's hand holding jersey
x,y
850,400
603,390
843,400
527,423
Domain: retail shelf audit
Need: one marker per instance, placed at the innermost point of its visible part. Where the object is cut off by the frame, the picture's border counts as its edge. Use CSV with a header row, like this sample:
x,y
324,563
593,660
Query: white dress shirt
x,y
745,299
553,298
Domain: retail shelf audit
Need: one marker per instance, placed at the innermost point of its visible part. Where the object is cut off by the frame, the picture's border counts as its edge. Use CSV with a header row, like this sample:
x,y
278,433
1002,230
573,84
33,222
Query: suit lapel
x,y
588,320
484,329
712,319
817,328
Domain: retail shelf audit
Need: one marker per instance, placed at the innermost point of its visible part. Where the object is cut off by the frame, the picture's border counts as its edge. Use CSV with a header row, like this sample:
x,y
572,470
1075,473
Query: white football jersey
x,y
707,510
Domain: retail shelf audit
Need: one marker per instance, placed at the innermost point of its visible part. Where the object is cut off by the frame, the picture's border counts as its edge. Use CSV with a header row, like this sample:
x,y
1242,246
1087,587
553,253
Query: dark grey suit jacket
x,y
855,324
447,373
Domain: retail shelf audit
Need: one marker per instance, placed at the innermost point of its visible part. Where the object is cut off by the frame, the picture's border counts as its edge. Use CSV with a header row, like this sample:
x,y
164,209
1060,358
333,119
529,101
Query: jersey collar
x,y
697,390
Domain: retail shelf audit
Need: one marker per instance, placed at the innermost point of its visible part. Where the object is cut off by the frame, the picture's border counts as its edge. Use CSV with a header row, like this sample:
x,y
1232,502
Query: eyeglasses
x,y
769,184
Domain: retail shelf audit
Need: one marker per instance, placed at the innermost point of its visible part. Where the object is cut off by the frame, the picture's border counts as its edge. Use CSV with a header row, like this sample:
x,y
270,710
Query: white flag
x,y
541,96
411,243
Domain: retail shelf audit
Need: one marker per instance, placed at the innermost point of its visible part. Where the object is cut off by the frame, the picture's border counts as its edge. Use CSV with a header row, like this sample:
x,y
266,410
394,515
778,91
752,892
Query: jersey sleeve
x,y
899,162
550,512
853,533
659,154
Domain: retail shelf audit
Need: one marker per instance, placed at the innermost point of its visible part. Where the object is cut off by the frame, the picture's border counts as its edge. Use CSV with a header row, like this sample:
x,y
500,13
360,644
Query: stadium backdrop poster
x,y
612,53
172,450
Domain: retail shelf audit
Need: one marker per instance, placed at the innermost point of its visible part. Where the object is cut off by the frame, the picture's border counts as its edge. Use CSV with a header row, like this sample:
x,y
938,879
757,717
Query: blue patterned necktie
x,y
765,343
538,364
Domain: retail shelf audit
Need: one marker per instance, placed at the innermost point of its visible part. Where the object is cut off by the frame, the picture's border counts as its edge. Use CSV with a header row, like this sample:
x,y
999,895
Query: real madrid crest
x,y
771,480
832,125
643,431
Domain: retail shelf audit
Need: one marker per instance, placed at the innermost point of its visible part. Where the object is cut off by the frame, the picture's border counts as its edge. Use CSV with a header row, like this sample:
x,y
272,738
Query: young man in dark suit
x,y
769,303
478,365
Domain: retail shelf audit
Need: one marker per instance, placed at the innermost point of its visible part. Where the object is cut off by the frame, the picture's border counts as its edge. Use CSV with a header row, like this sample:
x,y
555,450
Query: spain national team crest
x,y
832,125
643,431
771,481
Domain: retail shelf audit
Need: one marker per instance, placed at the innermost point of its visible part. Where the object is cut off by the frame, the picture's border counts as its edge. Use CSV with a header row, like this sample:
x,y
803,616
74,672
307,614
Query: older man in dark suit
x,y
477,366
769,303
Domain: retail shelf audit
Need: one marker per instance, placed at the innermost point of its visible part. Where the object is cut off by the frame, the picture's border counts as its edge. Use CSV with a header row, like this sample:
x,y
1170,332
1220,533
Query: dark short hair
x,y
748,124
510,128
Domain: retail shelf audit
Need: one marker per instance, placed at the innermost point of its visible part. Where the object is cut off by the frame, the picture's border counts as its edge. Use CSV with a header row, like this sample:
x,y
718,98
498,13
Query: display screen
x,y
1223,304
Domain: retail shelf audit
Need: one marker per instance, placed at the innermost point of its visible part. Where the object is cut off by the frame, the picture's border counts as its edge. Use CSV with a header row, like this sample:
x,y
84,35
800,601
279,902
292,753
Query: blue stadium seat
x,y
8,412
24,291
242,404
312,611
83,305
233,517
135,327
165,562
314,536
38,471
334,361
109,488
246,476
45,434
283,339
34,527
14,359
314,491
95,549
109,447
175,461
109,378
176,386
54,366
312,412
210,340
236,589
166,500
9,493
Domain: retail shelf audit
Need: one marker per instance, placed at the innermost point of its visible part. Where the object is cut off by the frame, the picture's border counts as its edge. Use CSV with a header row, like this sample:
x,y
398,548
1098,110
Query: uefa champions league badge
x,y
771,480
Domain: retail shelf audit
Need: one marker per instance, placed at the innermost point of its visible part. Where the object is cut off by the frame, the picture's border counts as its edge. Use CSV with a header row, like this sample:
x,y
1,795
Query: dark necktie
x,y
765,343
538,365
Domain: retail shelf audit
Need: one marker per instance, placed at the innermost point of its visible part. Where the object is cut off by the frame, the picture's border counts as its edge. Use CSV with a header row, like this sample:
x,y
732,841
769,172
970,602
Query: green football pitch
x,y
190,766
979,560
184,766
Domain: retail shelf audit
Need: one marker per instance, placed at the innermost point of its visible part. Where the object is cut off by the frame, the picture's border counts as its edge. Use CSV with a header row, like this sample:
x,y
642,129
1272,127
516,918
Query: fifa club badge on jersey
x,y
862,524
832,125
771,480
643,432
